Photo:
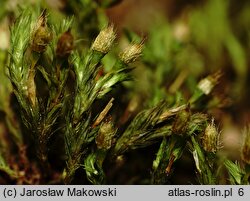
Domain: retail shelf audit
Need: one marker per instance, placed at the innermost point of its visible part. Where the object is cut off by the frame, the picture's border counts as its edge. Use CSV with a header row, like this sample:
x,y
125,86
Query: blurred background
x,y
184,42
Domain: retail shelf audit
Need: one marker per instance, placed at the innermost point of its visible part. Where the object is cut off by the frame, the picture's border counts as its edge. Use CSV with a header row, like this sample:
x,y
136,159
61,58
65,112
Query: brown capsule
x,y
131,53
65,44
210,139
181,122
105,136
41,34
104,40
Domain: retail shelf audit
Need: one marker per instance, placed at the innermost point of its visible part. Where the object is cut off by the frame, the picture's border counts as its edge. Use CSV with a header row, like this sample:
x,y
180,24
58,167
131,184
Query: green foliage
x,y
235,172
67,110
5,168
